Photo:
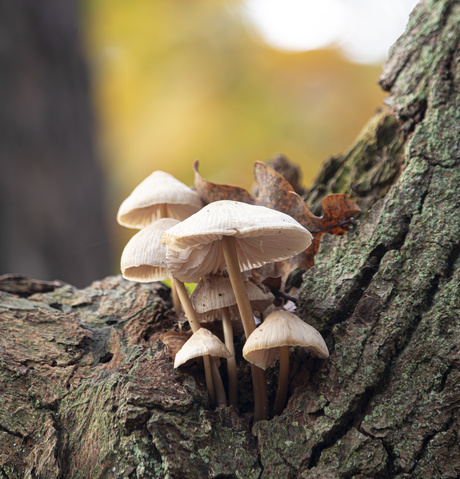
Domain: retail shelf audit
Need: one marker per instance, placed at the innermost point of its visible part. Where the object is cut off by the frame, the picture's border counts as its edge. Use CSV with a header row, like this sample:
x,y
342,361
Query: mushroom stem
x,y
175,296
220,391
249,325
231,362
281,393
195,325
163,210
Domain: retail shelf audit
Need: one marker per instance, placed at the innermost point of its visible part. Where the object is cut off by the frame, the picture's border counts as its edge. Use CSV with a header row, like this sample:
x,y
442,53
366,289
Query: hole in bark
x,y
56,306
452,262
164,293
106,358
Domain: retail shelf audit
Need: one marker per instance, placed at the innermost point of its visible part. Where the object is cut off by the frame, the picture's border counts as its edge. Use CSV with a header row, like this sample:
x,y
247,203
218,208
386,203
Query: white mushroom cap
x,y
216,292
201,343
282,328
262,235
142,207
144,257
191,264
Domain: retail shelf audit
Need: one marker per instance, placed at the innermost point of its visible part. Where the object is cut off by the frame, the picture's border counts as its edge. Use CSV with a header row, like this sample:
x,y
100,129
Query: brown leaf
x,y
338,210
210,192
276,192
174,340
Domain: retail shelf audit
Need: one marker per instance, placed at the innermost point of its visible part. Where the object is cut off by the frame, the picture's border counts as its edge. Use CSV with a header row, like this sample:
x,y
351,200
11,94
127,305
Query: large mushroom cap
x,y
282,328
142,207
262,235
144,257
202,343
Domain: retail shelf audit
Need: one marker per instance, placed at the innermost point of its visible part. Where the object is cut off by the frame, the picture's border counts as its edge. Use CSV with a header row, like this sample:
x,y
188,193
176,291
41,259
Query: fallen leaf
x,y
211,192
174,340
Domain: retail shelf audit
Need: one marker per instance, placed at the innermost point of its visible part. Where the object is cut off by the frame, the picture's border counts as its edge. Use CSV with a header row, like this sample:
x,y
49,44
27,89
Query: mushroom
x,y
245,236
144,260
273,337
201,343
204,343
213,299
143,263
160,195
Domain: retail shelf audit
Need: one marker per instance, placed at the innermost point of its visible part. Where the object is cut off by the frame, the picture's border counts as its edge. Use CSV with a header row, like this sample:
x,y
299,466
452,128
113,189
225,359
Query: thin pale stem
x,y
247,317
281,393
163,210
175,296
220,391
231,362
195,325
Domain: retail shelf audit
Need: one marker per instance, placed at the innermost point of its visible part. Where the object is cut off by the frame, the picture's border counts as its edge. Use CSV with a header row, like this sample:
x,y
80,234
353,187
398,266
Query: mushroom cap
x,y
282,328
216,292
262,235
144,257
142,207
215,315
189,265
201,343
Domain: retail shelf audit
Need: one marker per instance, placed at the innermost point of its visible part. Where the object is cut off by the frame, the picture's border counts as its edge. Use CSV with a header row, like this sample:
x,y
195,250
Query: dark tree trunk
x,y
89,391
51,194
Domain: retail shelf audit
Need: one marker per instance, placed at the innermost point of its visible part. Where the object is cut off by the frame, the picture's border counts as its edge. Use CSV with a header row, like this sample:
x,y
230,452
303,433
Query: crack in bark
x,y
369,271
427,441
452,262
5,475
337,432
11,433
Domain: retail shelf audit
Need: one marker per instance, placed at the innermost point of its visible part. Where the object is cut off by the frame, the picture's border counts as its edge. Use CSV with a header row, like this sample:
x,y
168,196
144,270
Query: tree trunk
x,y
51,188
88,390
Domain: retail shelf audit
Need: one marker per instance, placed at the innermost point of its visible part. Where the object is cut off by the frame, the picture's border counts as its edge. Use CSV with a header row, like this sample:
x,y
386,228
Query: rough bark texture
x,y
88,391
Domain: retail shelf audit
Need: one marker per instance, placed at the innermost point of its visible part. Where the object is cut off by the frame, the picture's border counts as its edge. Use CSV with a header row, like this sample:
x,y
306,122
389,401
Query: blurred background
x,y
98,94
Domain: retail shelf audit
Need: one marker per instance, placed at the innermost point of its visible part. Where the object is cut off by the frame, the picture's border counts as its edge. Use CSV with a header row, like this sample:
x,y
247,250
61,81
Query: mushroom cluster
x,y
184,240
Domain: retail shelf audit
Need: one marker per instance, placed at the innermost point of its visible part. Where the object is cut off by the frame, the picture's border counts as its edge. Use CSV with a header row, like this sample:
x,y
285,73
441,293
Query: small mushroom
x,y
160,195
272,339
204,343
201,343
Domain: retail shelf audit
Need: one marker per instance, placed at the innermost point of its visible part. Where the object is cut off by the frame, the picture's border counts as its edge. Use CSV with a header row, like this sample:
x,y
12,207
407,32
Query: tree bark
x,y
88,390
51,189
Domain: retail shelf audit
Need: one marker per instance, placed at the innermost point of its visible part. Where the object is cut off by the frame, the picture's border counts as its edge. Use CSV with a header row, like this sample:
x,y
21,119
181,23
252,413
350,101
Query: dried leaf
x,y
210,192
174,340
276,192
